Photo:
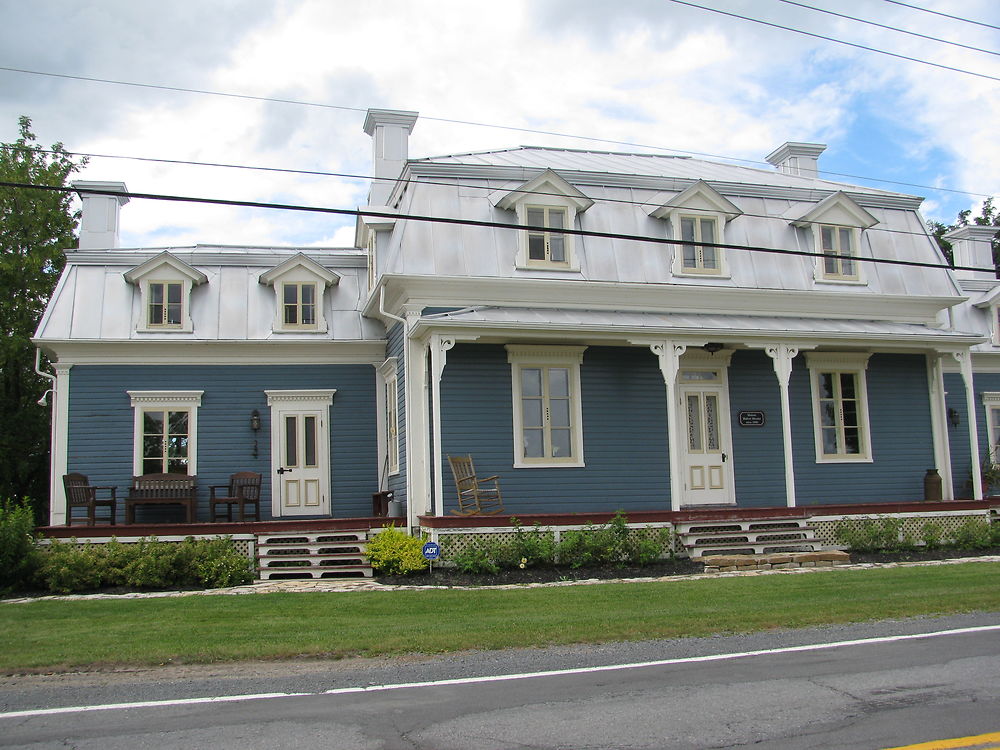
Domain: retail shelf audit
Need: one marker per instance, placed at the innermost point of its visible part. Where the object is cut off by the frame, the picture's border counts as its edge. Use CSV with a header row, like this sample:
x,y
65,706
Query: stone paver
x,y
339,585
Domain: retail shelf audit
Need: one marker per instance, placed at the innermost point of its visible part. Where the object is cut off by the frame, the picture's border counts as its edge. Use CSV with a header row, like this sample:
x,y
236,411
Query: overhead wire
x,y
889,28
362,212
424,181
834,40
943,15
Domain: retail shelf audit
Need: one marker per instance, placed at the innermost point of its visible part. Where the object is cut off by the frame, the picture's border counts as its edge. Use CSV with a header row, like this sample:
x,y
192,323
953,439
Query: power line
x,y
836,41
485,224
451,183
889,28
535,131
943,15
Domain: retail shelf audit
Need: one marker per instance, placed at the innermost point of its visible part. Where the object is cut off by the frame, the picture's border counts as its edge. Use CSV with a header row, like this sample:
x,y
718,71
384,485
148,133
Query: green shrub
x,y
537,547
18,556
932,535
393,552
647,546
974,533
869,535
478,558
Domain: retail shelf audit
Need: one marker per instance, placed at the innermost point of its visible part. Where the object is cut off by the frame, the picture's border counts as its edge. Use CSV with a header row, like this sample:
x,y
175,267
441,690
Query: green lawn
x,y
69,634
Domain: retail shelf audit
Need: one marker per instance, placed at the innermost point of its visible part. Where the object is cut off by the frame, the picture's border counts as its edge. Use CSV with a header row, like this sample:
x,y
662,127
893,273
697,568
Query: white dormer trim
x,y
698,202
158,274
836,212
545,192
300,270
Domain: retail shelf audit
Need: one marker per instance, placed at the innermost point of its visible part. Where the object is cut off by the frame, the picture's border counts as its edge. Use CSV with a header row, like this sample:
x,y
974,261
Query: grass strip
x,y
55,635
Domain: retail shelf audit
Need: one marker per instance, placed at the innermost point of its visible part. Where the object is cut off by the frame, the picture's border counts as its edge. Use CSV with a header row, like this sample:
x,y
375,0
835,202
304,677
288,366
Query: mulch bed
x,y
679,566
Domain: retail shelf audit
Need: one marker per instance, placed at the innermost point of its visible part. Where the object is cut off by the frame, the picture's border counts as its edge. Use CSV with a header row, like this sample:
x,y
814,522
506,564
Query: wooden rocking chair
x,y
81,494
474,498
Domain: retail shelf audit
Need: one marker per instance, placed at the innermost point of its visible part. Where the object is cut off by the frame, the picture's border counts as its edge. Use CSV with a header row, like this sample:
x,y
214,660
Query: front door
x,y
706,455
300,458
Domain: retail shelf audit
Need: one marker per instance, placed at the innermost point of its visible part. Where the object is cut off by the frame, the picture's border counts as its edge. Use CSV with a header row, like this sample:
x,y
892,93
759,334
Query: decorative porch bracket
x,y
781,356
669,356
964,359
440,344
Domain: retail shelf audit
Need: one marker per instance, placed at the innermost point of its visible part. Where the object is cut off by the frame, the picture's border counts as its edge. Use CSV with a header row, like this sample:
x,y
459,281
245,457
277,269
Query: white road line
x,y
499,678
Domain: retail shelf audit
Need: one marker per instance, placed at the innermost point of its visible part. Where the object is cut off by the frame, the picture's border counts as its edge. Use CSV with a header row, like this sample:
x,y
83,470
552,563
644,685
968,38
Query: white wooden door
x,y
706,460
300,458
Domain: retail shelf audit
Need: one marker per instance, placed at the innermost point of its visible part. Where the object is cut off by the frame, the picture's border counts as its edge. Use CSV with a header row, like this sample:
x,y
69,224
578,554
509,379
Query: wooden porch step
x,y
747,536
295,554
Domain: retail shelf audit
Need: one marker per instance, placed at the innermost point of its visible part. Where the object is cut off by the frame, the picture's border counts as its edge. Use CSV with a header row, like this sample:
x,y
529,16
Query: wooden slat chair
x,y
243,491
80,494
473,497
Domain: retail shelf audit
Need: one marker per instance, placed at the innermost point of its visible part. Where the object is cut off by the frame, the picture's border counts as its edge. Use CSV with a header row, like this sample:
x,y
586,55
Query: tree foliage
x,y
36,226
989,216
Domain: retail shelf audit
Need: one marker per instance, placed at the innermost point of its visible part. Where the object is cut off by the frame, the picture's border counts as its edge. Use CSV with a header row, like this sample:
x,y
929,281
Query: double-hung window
x,y
840,406
548,416
165,432
839,253
299,304
546,246
165,304
699,258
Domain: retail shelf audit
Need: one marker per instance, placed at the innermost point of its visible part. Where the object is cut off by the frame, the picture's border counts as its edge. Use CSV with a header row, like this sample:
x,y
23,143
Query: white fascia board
x,y
840,205
700,197
548,182
167,259
94,352
595,334
300,260
453,291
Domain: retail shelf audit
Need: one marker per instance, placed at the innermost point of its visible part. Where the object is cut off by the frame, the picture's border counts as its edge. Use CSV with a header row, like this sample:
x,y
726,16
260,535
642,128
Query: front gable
x,y
299,285
164,283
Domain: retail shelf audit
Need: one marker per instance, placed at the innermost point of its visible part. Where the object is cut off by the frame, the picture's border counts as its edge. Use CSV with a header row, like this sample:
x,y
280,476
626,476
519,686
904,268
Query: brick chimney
x,y
799,159
99,223
390,131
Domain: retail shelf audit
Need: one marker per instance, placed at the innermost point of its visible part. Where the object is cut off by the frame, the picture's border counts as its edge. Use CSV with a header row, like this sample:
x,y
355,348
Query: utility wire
x,y
943,15
889,28
451,183
757,163
486,224
836,41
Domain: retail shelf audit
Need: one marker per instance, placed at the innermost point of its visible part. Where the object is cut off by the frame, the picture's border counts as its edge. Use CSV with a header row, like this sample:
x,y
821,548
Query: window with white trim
x,y
548,414
839,246
165,432
547,247
164,304
840,406
995,324
991,402
299,304
700,259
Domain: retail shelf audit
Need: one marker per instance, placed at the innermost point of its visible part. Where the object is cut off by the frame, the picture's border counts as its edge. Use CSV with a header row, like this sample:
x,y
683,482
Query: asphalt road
x,y
782,689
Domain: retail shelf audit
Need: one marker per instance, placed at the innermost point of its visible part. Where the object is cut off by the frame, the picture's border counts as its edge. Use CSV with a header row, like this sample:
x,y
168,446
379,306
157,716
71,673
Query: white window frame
x,y
991,402
570,358
143,401
164,269
837,363
855,253
994,313
569,246
316,306
389,414
722,268
299,270
147,297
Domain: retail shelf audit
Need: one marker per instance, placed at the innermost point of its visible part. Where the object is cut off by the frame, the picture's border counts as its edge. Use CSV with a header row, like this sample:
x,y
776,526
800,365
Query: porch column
x,y
669,355
964,359
440,344
939,424
415,401
59,460
781,356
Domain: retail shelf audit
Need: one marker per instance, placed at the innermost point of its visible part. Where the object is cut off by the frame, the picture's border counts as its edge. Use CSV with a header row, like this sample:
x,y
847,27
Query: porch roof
x,y
623,324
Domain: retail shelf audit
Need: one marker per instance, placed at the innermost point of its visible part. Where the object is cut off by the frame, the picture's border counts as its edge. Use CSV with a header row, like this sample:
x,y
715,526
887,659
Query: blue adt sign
x,y
432,551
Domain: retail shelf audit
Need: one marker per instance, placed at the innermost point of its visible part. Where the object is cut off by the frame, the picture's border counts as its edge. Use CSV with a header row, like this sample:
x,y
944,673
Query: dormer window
x,y
165,283
546,247
839,253
299,304
545,205
165,307
299,284
697,215
836,224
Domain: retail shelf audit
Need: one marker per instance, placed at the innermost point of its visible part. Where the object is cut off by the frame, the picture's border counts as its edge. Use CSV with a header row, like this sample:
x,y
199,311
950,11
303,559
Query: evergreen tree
x,y
36,226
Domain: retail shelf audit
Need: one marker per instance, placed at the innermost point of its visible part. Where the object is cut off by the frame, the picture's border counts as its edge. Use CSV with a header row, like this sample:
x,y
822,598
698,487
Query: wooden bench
x,y
162,489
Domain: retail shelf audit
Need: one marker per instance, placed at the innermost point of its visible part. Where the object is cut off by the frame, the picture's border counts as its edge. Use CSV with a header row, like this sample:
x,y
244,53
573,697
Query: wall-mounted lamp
x,y
255,426
44,400
713,347
953,417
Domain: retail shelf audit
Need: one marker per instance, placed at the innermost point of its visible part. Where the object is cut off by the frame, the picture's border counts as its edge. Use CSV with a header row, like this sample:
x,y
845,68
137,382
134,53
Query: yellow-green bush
x,y
396,553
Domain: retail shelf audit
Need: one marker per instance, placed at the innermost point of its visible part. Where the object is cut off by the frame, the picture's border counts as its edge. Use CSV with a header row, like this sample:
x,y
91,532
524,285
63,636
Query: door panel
x,y
301,456
706,460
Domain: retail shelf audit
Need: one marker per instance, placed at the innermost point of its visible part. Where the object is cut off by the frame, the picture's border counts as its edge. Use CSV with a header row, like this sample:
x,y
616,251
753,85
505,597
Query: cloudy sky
x,y
654,73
